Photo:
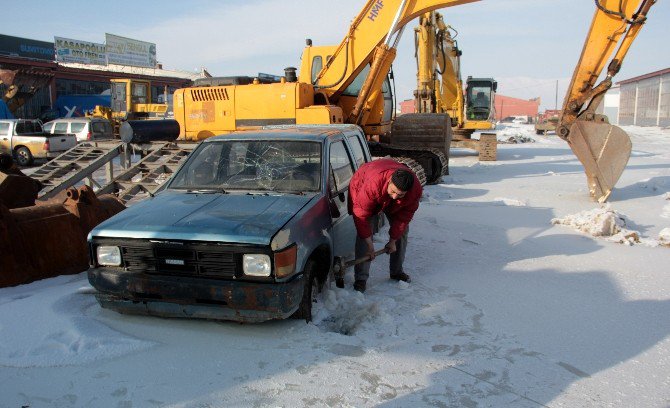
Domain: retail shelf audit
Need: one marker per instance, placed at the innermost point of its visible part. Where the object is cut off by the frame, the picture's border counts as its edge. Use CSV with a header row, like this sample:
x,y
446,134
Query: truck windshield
x,y
252,165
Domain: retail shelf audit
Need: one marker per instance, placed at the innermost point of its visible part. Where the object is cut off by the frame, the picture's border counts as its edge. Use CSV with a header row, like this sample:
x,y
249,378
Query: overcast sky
x,y
527,45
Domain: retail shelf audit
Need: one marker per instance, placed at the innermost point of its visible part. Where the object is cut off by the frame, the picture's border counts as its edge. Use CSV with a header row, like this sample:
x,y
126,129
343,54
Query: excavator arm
x,y
439,83
603,149
371,40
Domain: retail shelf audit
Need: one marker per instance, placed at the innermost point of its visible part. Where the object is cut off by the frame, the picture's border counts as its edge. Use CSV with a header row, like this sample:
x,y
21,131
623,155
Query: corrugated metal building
x,y
645,100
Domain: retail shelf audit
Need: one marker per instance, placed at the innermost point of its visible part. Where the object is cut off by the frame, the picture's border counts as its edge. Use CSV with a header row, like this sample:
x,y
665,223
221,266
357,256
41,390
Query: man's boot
x,y
359,286
401,276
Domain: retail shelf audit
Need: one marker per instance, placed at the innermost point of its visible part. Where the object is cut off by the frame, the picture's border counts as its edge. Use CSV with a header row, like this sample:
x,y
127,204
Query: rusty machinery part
x,y
22,84
6,162
18,190
415,167
433,162
49,239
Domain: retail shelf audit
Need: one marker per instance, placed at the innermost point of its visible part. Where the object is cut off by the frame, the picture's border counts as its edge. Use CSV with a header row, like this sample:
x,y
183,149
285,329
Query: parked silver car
x,y
85,129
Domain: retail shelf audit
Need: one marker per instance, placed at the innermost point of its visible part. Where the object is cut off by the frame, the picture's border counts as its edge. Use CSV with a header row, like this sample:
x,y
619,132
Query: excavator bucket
x,y
604,150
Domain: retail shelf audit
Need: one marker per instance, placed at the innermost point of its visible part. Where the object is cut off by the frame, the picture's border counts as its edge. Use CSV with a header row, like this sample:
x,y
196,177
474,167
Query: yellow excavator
x,y
131,100
439,82
349,83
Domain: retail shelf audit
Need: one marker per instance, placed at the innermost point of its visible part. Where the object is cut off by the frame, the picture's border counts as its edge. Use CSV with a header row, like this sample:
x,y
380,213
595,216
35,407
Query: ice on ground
x,y
512,202
666,211
66,334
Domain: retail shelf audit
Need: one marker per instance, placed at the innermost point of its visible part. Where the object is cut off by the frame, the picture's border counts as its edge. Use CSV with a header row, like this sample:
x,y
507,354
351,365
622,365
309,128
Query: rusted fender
x,y
47,240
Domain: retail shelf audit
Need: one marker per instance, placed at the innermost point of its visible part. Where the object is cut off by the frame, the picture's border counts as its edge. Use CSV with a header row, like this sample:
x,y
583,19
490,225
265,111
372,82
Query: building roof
x,y
126,69
645,76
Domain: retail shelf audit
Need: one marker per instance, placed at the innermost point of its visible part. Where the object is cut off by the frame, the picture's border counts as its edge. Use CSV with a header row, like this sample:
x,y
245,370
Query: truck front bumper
x,y
194,297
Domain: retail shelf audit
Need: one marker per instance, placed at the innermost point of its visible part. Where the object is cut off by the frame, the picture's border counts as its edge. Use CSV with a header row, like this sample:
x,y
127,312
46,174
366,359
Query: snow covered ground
x,y
515,301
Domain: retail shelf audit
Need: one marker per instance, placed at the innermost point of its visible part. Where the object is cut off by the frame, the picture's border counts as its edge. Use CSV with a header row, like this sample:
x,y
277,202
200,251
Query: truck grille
x,y
182,258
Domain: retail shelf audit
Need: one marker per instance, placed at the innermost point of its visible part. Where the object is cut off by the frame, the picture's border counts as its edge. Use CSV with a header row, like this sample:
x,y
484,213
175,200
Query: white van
x,y
86,129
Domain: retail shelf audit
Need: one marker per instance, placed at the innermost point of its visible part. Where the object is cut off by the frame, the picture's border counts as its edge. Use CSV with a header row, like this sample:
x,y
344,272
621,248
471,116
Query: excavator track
x,y
433,163
422,137
415,167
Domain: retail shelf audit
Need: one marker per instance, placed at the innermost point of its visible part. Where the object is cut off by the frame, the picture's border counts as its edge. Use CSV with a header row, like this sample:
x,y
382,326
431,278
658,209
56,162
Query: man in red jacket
x,y
392,188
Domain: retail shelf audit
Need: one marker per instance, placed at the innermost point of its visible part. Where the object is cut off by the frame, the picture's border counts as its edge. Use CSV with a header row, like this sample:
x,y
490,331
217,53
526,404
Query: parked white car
x,y
85,129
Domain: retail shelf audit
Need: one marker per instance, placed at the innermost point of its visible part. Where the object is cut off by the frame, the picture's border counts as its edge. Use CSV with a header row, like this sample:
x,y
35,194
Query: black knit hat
x,y
403,179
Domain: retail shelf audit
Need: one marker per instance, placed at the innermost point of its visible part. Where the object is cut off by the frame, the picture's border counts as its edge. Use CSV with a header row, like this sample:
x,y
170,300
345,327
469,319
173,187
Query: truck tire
x,y
23,156
310,290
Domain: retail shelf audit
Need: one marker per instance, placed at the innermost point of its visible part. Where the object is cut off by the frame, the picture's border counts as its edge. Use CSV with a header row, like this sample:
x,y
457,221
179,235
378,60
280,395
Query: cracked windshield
x,y
252,165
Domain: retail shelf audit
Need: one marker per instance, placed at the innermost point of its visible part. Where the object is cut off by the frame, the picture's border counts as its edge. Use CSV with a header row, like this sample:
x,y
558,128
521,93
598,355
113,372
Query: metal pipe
x,y
398,14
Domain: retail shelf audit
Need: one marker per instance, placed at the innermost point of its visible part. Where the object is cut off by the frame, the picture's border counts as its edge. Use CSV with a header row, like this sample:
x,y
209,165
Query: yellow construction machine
x,y
131,100
350,83
439,82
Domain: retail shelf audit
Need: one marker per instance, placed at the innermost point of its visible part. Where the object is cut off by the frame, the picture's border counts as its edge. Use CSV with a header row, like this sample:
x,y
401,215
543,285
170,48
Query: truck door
x,y
341,170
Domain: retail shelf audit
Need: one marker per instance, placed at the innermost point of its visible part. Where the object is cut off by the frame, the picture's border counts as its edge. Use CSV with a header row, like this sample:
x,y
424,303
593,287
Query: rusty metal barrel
x,y
49,239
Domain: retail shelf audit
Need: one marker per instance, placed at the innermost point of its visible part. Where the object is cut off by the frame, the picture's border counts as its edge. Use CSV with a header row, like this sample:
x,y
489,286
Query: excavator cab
x,y
131,99
479,98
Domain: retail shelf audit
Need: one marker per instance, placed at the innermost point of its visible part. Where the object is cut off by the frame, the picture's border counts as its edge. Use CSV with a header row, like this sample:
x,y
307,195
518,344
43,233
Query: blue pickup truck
x,y
248,229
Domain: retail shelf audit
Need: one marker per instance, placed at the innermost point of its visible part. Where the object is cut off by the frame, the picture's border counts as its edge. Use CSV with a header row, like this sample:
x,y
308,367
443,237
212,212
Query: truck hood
x,y
229,218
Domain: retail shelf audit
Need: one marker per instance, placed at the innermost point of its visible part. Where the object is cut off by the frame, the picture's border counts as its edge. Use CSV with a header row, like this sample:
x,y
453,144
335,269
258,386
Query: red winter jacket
x,y
368,196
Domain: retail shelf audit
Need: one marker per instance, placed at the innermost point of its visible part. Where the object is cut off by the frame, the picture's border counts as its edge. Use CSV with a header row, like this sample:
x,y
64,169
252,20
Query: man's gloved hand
x,y
390,246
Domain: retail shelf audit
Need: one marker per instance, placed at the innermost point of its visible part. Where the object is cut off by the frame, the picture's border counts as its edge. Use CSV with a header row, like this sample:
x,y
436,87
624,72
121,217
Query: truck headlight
x,y
109,255
256,265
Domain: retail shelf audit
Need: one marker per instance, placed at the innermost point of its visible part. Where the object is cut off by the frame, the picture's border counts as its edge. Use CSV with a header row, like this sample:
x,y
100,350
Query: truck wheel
x,y
309,293
23,156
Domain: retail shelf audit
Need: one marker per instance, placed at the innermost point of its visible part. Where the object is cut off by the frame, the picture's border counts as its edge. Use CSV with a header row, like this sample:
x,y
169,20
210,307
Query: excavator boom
x,y
603,149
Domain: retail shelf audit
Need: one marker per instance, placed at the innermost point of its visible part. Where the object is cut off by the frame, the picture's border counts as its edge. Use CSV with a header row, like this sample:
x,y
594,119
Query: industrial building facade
x,y
645,100
45,80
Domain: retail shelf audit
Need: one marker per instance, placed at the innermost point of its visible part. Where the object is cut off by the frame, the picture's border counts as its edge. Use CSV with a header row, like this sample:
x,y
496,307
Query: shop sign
x,y
83,52
126,51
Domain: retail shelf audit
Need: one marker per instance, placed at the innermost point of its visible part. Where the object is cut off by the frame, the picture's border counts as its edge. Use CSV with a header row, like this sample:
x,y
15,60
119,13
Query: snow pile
x,y
515,139
664,237
344,311
601,222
